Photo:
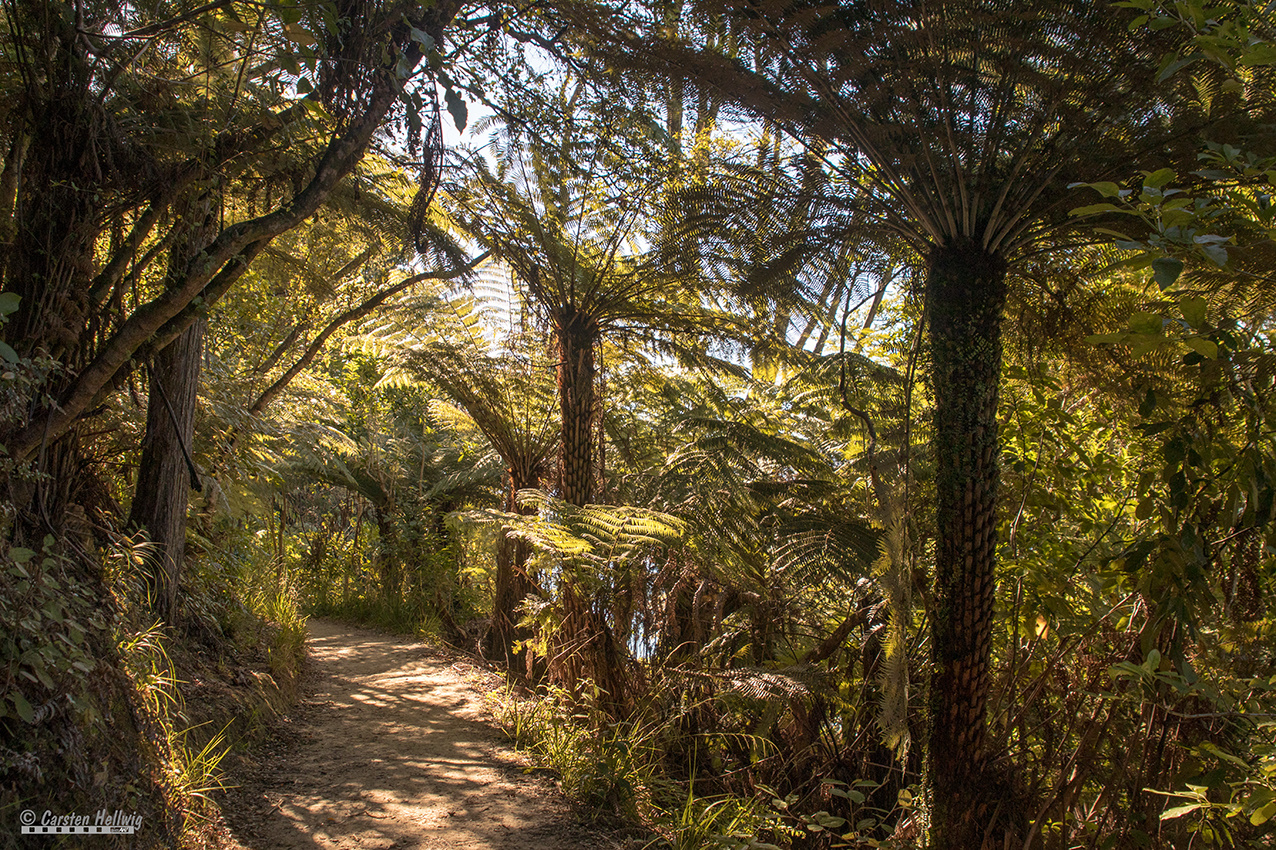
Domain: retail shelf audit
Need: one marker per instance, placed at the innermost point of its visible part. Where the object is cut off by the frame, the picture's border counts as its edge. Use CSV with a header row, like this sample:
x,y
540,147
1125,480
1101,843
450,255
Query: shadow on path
x,y
391,750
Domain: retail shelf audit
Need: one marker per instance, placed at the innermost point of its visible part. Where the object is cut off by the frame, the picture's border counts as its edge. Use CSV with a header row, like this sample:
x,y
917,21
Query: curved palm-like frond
x,y
957,121
501,380
599,535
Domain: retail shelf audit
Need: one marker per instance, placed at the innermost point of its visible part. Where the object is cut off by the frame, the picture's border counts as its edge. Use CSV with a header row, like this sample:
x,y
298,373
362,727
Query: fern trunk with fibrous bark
x,y
585,648
577,335
966,293
388,554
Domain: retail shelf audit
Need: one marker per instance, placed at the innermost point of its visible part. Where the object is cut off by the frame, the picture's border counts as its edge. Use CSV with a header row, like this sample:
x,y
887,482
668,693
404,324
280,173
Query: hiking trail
x,y
391,747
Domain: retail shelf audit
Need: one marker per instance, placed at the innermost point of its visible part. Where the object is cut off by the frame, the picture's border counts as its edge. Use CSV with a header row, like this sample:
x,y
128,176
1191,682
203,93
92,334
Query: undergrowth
x,y
190,775
619,773
431,598
240,599
86,725
92,712
613,772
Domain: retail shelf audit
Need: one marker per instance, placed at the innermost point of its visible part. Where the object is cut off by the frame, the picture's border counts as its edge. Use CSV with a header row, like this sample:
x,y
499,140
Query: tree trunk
x,y
585,647
512,587
166,474
966,294
388,554
577,334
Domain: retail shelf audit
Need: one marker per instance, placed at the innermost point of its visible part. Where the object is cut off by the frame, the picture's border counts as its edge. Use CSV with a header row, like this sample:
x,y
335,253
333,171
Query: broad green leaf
x,y
9,302
1165,271
298,34
422,38
1194,311
457,109
1263,815
1142,344
1203,346
1110,232
1157,179
1146,323
1217,752
1148,405
1171,64
1217,253
1179,811
25,711
1096,208
7,353
1259,54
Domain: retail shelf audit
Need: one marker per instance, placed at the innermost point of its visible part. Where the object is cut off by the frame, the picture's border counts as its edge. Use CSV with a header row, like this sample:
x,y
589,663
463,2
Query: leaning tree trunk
x,y
966,293
585,647
167,473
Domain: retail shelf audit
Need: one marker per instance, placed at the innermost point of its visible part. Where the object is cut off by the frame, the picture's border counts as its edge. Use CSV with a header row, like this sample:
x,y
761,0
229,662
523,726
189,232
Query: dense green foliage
x,y
848,425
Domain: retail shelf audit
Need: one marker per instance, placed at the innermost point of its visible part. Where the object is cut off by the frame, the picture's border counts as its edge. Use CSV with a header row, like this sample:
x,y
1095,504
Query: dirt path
x,y
391,749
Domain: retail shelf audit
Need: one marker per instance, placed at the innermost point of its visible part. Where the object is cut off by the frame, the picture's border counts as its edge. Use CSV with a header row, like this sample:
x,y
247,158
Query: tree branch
x,y
209,274
271,392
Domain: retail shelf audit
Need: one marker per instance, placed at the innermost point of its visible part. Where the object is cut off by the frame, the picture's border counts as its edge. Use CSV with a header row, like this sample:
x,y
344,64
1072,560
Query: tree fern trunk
x,y
388,552
966,295
585,647
577,335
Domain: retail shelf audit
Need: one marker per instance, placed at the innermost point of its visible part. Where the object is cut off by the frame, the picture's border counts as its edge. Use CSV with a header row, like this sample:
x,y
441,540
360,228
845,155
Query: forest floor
x,y
391,747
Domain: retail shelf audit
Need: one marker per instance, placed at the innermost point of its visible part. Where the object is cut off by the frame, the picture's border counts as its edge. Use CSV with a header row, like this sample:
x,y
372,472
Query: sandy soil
x,y
392,748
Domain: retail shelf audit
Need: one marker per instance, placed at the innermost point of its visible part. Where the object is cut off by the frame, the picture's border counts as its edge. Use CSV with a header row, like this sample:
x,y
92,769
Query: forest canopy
x,y
853,416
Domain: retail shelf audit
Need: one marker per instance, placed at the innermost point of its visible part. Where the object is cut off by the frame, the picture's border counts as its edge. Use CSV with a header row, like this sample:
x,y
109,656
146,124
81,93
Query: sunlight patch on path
x,y
393,750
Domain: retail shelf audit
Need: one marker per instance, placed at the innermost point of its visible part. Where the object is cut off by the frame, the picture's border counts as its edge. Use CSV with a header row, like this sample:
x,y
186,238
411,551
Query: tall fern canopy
x,y
840,424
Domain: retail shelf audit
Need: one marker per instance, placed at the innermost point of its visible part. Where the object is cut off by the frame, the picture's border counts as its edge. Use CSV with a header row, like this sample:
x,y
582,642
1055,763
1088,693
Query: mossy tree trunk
x,y
966,294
